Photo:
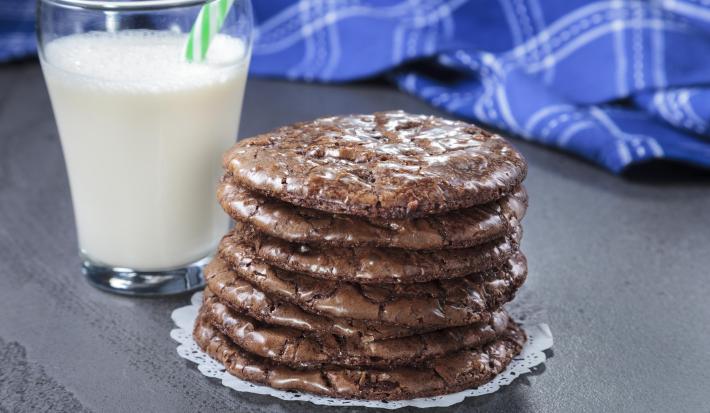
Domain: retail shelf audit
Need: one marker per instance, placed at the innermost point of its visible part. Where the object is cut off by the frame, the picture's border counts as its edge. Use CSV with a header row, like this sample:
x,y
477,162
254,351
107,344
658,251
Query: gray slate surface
x,y
618,269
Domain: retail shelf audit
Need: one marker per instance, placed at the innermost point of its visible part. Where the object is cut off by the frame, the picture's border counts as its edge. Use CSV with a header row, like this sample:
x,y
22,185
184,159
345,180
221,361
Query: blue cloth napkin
x,y
617,82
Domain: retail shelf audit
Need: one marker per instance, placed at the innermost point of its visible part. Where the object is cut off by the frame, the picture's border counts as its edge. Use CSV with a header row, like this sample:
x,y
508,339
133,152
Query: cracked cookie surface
x,y
383,165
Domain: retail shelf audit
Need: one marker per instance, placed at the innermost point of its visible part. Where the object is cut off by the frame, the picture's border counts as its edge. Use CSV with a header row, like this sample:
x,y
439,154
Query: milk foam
x,y
142,59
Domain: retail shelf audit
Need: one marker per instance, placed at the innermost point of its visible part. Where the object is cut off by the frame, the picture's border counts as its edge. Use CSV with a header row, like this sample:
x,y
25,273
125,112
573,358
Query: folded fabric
x,y
616,82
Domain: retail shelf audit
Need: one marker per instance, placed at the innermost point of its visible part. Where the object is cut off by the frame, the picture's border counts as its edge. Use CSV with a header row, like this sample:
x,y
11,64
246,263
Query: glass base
x,y
145,283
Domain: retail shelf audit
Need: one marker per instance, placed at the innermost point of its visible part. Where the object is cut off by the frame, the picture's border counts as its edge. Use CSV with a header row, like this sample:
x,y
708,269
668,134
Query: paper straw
x,y
208,23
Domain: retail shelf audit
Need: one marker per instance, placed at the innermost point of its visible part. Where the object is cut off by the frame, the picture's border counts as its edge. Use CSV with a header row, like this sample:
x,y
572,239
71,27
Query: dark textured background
x,y
618,268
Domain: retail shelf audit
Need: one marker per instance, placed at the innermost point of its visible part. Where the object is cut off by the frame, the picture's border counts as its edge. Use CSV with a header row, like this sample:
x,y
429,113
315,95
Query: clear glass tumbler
x,y
143,131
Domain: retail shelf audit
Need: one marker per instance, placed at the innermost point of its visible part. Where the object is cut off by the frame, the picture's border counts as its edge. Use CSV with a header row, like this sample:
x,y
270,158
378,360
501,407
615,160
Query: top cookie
x,y
386,165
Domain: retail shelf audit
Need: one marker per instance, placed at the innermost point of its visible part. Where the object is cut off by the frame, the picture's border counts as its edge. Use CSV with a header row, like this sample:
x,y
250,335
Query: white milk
x,y
143,134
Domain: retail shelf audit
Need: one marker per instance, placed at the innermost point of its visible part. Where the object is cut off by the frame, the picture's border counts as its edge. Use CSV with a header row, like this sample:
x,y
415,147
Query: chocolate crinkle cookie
x,y
371,257
384,165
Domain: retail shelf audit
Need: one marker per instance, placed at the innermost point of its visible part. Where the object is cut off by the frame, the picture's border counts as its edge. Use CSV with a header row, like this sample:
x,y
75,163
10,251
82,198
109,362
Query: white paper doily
x,y
539,339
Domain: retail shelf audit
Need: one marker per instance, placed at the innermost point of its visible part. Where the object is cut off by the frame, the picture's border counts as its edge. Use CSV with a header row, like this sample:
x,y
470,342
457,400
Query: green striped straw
x,y
208,23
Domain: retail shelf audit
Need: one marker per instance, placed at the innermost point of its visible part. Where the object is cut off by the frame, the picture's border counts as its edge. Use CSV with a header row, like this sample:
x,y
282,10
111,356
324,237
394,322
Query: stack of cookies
x,y
371,258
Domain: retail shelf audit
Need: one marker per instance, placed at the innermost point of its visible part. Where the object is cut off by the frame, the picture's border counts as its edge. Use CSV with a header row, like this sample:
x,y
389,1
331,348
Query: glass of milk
x,y
143,132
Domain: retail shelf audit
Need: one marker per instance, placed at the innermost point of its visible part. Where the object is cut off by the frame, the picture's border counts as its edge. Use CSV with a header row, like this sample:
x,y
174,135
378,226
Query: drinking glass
x,y
143,130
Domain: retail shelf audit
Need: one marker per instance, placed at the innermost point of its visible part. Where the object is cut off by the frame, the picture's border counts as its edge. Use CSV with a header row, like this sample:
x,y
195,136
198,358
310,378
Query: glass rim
x,y
118,5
